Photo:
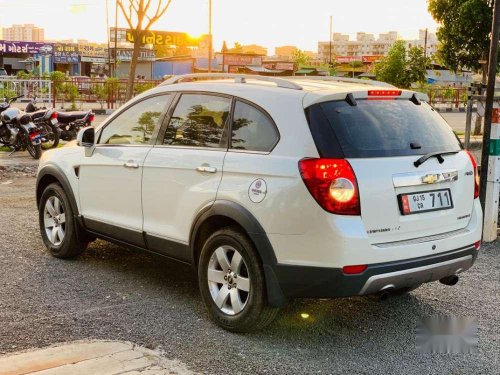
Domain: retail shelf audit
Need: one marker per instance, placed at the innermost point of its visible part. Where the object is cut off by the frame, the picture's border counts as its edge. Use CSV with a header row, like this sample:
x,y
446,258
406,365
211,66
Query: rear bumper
x,y
290,281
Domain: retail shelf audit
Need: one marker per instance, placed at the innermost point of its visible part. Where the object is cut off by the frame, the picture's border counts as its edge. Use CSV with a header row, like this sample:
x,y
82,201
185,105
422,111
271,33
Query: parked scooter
x,y
17,130
46,120
70,123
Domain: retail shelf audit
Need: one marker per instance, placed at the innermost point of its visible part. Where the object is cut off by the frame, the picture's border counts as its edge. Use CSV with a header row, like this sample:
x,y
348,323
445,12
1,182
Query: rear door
x,y
183,171
382,140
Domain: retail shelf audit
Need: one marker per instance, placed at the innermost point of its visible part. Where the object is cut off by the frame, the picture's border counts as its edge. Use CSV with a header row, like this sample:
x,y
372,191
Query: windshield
x,y
378,128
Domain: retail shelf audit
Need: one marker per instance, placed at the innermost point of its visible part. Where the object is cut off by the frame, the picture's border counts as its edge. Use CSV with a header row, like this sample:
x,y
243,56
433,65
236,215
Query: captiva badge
x,y
257,191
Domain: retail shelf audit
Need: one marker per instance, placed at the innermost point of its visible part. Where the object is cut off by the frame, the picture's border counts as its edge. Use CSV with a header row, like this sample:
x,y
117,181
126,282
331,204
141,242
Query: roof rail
x,y
343,79
238,78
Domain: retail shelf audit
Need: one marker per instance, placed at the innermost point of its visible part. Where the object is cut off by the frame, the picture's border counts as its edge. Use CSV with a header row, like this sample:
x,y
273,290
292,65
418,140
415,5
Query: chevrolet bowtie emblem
x,y
430,178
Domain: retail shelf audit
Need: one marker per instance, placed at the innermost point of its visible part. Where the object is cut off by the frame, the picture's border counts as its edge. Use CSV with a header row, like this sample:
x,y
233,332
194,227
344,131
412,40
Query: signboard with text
x,y
30,48
126,55
371,59
66,53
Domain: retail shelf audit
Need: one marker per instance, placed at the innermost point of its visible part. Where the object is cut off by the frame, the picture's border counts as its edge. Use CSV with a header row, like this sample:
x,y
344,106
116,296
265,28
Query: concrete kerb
x,y
90,357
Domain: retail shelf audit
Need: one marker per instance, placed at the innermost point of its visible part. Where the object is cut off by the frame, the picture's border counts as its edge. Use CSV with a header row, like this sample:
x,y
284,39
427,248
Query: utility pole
x,y
490,178
116,37
210,36
425,45
330,54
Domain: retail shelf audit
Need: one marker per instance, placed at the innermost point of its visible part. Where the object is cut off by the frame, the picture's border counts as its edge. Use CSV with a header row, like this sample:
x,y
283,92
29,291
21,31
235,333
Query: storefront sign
x,y
242,59
347,59
371,59
126,55
95,60
91,50
164,38
66,54
30,48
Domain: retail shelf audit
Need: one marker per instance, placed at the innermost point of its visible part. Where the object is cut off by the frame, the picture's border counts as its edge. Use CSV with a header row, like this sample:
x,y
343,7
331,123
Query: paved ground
x,y
91,357
112,293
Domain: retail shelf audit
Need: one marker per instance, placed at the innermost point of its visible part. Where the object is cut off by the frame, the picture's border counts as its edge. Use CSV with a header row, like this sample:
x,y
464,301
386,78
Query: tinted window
x,y
252,130
199,121
135,125
375,128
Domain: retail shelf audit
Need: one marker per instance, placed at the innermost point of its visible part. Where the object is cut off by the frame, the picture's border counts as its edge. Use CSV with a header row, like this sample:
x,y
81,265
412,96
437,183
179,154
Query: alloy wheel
x,y
54,220
228,280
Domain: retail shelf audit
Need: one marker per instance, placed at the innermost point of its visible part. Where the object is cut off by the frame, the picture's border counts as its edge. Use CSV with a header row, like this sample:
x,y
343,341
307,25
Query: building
x,y
367,45
24,33
255,49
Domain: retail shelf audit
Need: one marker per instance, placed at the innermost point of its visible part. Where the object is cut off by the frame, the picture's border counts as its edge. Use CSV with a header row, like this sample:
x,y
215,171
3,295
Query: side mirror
x,y
86,138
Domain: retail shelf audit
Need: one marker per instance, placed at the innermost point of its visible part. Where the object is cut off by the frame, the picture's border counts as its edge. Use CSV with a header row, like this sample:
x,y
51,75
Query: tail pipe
x,y
449,280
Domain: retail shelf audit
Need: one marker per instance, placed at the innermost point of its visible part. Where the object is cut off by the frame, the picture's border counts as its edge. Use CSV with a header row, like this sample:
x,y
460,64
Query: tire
x,y
34,150
242,308
63,241
52,134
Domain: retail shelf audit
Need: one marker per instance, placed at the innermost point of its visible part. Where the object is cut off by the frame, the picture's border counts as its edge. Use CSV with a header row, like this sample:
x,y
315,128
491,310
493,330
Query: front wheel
x,y
58,226
231,281
34,150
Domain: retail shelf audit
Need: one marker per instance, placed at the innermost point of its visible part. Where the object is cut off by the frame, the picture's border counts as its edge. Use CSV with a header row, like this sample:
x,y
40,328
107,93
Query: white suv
x,y
272,189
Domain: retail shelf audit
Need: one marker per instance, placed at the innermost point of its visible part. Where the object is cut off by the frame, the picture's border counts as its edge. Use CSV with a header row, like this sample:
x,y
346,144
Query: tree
x,y
140,19
300,58
238,48
400,67
464,35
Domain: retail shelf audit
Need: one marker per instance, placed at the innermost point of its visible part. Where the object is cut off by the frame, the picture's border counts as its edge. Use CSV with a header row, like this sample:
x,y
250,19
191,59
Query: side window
x,y
135,125
252,130
199,120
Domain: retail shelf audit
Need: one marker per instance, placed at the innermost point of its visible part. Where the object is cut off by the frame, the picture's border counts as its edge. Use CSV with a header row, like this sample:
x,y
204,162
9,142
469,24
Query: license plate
x,y
53,121
435,200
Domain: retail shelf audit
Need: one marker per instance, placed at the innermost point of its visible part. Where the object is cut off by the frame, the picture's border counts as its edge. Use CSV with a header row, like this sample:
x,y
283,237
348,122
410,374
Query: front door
x,y
183,171
110,179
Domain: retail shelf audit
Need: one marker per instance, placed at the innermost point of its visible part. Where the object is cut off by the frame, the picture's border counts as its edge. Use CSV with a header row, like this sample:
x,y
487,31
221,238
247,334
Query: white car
x,y
272,189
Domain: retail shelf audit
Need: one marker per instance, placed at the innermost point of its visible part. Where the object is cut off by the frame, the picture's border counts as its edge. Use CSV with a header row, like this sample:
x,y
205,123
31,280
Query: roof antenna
x,y
350,100
414,99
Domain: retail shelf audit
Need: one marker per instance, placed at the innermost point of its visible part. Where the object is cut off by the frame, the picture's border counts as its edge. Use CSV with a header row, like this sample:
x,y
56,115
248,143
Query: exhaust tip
x,y
385,292
449,280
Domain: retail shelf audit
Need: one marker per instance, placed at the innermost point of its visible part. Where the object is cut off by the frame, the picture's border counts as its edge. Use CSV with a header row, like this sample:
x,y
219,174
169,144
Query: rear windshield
x,y
378,128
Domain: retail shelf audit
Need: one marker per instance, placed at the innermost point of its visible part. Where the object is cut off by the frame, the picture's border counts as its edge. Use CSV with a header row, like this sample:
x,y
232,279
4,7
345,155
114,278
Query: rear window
x,y
379,128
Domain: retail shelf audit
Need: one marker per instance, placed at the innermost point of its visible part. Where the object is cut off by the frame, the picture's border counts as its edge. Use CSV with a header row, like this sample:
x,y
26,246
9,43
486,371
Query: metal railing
x,y
453,97
13,86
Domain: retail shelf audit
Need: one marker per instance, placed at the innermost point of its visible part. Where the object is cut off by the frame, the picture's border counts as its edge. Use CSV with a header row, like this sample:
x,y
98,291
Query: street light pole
x,y
330,59
209,36
490,93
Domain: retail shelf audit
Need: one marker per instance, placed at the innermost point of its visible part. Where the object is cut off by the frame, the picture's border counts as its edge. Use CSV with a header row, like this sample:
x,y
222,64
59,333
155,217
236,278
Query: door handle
x,y
206,168
131,164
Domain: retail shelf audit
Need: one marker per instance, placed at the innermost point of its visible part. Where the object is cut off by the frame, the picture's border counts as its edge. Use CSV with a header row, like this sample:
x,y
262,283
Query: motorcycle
x,y
18,132
46,120
70,123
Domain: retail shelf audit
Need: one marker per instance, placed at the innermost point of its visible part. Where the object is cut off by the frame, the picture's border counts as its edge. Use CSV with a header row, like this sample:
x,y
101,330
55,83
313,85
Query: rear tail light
x,y
476,174
384,93
53,115
91,117
477,245
353,270
332,183
34,135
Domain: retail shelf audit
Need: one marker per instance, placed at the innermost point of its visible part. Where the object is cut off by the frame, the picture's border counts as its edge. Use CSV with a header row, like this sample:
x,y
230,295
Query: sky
x,y
269,23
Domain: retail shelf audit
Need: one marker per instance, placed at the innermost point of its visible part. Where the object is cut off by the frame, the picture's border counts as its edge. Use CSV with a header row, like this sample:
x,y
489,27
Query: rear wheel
x,y
231,281
58,226
51,136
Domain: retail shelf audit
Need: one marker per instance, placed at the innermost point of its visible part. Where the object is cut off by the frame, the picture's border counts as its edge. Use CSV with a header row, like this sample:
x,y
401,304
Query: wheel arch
x,y
52,174
227,213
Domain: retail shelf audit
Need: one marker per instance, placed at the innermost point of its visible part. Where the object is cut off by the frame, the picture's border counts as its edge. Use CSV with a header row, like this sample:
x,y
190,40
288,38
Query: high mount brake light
x,y
332,183
476,174
384,93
